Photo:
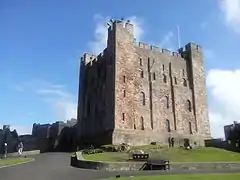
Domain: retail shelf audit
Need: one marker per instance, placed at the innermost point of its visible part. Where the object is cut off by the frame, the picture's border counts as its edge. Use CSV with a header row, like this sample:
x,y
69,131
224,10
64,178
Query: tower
x,y
136,93
196,64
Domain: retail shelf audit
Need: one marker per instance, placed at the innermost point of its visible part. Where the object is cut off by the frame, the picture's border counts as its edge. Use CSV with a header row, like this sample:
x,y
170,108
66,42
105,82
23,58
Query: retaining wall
x,y
136,166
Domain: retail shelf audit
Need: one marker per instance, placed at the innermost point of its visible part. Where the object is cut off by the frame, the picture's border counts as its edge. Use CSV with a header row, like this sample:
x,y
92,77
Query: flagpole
x,y
178,36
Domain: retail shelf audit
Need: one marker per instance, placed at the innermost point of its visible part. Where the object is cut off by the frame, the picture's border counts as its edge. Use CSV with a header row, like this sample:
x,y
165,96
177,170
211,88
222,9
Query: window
x,y
124,93
185,82
168,126
163,68
142,74
142,123
189,106
190,128
124,79
134,126
154,76
123,116
142,98
164,78
140,61
166,101
175,80
183,72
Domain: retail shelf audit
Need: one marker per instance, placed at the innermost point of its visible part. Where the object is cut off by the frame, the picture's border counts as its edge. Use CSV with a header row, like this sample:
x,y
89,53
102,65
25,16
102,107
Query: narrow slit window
x,y
154,76
168,125
142,98
123,116
142,123
164,78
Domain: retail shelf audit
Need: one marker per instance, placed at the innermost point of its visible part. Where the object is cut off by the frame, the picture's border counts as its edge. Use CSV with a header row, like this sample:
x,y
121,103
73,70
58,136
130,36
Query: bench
x,y
140,156
158,164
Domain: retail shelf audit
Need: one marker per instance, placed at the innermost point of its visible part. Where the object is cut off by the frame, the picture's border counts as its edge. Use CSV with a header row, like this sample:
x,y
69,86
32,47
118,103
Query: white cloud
x,y
225,99
56,96
65,109
58,92
100,33
231,13
166,39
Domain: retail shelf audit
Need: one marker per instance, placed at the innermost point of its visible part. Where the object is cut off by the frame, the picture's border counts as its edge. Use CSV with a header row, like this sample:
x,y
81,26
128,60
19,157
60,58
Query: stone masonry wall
x,y
179,109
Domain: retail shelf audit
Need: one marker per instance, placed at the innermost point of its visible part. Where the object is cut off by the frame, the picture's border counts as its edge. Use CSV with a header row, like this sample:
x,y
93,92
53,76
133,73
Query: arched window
x,y
140,61
134,126
190,128
164,78
142,74
142,98
168,125
163,67
142,123
189,106
185,82
166,101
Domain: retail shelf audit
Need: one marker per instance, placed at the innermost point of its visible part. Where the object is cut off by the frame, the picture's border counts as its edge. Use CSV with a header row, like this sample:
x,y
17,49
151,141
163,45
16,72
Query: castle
x,y
137,94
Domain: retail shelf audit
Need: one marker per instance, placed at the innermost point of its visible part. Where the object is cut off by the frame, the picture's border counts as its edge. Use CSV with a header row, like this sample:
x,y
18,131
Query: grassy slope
x,y
174,155
13,161
187,177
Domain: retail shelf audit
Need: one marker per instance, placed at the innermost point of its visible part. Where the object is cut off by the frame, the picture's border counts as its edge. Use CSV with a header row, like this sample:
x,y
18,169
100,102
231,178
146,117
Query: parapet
x,y
88,58
180,52
125,24
157,49
192,45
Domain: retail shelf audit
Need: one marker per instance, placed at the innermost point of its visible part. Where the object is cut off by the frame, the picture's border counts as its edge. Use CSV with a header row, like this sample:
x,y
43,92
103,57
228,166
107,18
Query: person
x,y
169,142
172,141
5,149
20,148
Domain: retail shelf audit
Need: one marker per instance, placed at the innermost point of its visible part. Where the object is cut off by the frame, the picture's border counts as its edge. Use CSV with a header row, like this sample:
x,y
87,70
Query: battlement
x,y
182,50
158,49
88,58
125,24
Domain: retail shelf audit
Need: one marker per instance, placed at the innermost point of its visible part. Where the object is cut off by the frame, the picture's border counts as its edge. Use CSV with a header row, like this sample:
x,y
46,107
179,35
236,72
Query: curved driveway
x,y
56,166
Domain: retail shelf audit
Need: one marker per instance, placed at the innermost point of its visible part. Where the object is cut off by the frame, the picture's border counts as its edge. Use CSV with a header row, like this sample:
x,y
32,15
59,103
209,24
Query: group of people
x,y
4,149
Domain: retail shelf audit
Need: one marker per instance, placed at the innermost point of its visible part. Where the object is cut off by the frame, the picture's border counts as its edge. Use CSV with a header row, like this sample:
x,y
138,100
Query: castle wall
x,y
96,103
180,110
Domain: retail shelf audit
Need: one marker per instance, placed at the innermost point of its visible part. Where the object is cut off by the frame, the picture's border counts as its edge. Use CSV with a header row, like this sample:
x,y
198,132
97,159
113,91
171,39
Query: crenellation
x,y
143,45
166,51
176,54
158,49
155,48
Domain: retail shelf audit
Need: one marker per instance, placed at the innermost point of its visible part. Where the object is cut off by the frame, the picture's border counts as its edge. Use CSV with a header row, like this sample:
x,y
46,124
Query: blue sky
x,y
41,43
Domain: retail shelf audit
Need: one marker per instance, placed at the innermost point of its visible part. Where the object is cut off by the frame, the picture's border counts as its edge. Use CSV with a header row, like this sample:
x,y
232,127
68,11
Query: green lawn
x,y
13,161
173,154
186,177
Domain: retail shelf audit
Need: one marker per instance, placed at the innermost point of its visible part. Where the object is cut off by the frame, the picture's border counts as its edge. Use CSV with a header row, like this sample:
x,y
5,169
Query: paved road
x,y
56,166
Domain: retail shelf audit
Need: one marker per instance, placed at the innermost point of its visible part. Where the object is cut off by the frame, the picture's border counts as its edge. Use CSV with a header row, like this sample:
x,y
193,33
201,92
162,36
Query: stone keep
x,y
137,94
